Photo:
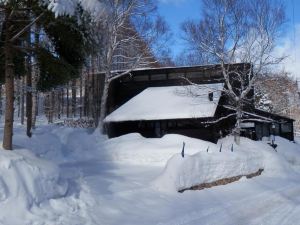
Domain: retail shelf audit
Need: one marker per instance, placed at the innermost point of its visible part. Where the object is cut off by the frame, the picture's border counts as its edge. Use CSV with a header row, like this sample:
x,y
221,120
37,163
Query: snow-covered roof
x,y
174,102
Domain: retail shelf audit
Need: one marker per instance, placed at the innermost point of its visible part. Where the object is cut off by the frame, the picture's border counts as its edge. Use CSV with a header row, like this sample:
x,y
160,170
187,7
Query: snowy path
x,y
120,196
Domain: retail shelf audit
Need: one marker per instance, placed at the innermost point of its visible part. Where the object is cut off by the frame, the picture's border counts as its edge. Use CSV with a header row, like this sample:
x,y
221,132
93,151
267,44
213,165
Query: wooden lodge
x,y
159,101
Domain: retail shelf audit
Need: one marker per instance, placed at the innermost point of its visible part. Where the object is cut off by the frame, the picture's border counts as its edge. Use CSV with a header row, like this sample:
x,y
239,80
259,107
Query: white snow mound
x,y
26,180
203,167
135,149
250,156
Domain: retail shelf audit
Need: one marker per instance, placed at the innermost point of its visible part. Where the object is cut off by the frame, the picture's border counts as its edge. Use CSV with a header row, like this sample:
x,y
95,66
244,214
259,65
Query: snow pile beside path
x,y
203,167
250,156
26,180
135,149
289,150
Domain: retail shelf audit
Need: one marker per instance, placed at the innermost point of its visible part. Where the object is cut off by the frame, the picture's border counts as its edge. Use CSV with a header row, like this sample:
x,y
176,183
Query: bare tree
x,y
238,31
277,92
128,30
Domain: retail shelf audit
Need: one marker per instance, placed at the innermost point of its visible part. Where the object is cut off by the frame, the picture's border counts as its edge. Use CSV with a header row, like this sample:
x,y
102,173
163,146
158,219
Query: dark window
x,y
183,124
149,124
194,75
286,128
141,125
141,78
275,129
158,77
174,76
171,124
126,79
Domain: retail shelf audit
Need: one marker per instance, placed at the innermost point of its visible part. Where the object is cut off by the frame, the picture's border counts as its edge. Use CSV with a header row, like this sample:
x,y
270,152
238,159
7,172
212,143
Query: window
x,y
194,75
158,77
126,78
171,124
174,76
286,128
141,78
183,124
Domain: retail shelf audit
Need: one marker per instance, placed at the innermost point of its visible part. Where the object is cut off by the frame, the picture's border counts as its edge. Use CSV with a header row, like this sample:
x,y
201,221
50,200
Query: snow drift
x,y
289,150
138,150
205,167
26,180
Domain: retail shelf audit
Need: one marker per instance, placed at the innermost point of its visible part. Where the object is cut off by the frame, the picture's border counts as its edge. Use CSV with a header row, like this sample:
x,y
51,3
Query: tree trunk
x,y
237,129
18,93
1,109
80,98
73,97
68,100
86,95
34,97
29,97
93,97
103,109
9,88
22,101
58,104
53,106
35,80
97,96
62,101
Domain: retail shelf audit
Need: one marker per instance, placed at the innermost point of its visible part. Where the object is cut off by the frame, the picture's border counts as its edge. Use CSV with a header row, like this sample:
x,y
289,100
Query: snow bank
x,y
26,180
289,150
203,167
135,149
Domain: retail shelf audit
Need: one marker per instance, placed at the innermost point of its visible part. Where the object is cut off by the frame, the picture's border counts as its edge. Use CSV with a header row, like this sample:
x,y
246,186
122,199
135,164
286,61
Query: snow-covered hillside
x,y
74,176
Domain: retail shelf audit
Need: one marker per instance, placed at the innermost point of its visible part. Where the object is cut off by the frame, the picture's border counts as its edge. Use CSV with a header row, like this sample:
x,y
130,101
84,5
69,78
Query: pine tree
x,y
59,57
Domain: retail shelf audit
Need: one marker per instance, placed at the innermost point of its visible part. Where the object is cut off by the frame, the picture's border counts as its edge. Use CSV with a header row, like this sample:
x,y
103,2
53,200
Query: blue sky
x,y
177,11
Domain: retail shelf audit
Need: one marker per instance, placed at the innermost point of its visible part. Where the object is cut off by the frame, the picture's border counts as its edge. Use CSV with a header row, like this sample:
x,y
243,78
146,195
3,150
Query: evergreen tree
x,y
60,54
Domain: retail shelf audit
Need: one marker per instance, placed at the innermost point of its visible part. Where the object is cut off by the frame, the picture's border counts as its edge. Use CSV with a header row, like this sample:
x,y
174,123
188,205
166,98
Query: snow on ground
x,y
26,181
92,180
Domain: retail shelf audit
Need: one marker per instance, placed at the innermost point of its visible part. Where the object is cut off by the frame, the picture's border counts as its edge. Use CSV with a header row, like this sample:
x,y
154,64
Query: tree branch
x,y
26,28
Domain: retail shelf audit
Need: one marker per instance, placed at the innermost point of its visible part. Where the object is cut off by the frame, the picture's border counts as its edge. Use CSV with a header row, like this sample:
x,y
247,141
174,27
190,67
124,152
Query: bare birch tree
x,y
127,32
238,31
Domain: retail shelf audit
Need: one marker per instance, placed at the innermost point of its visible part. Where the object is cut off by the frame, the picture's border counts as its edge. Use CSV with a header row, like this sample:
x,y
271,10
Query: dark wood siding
x,y
158,128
